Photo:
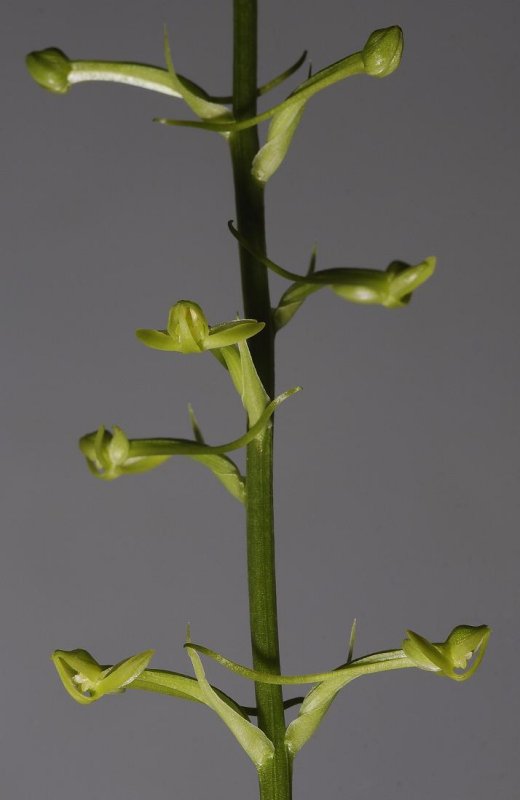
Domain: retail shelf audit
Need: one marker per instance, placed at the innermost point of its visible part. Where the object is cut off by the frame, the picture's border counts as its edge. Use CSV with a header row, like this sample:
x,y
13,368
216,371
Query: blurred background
x,y
397,467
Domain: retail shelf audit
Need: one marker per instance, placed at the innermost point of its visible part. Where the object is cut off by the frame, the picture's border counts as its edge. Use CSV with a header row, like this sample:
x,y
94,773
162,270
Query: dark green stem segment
x,y
275,779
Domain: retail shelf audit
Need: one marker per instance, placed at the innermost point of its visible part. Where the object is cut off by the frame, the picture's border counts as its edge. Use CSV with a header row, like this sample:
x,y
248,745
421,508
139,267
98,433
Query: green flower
x,y
464,643
392,288
188,331
86,680
108,454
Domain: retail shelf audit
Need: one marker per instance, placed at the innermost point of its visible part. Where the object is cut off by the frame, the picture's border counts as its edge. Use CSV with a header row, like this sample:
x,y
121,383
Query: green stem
x,y
275,780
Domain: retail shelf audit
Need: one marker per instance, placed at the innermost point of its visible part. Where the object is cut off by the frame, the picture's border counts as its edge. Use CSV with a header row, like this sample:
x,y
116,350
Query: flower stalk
x,y
275,777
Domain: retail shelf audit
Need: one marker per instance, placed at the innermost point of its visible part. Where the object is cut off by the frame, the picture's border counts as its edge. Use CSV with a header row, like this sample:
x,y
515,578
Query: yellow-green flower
x,y
108,454
86,680
464,643
188,331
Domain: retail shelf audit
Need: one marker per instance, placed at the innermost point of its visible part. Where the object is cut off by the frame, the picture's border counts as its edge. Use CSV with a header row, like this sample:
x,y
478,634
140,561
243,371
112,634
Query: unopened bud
x,y
382,52
50,68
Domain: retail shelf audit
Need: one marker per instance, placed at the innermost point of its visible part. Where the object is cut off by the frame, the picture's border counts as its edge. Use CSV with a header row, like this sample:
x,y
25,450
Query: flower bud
x,y
382,52
50,68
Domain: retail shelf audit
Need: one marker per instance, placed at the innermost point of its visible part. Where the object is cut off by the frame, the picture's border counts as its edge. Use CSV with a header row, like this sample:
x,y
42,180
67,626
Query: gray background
x,y
397,467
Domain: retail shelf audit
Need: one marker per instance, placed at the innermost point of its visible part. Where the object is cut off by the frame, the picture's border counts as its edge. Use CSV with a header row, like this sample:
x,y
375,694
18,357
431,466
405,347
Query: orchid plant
x,y
245,350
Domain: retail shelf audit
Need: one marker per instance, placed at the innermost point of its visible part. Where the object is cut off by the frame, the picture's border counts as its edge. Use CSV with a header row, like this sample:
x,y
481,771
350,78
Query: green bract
x,y
188,331
256,744
198,101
